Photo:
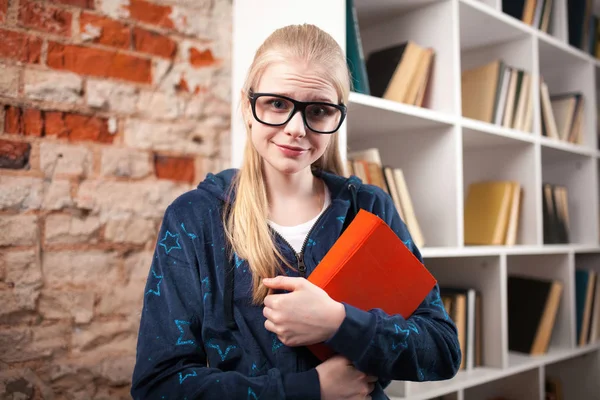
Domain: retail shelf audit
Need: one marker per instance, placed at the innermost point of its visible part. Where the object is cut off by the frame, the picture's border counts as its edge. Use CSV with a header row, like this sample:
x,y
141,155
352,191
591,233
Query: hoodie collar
x,y
219,184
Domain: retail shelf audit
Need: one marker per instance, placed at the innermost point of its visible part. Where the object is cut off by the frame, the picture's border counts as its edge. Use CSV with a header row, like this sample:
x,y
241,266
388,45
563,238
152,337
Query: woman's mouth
x,y
292,151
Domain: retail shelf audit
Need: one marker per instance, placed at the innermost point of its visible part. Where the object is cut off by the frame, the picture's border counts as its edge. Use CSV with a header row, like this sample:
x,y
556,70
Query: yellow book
x,y
487,209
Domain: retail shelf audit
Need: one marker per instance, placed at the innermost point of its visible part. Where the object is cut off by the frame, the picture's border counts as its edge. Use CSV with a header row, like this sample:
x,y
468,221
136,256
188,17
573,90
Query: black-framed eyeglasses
x,y
276,110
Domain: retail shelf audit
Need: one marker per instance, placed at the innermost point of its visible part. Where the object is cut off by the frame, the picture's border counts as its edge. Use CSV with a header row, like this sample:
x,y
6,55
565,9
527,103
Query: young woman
x,y
227,309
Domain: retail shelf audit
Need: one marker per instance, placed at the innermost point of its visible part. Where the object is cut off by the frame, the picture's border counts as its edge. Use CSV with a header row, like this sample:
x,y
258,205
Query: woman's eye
x,y
278,104
318,111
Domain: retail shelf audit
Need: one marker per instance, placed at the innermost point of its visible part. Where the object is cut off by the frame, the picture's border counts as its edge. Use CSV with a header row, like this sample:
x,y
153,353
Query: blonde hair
x,y
245,220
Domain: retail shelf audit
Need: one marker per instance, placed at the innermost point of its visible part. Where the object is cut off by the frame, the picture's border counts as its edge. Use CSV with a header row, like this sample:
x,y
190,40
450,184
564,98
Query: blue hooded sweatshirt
x,y
200,336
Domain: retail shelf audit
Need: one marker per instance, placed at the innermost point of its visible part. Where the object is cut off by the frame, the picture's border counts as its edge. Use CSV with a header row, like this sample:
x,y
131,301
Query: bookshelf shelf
x,y
497,134
565,148
371,115
441,151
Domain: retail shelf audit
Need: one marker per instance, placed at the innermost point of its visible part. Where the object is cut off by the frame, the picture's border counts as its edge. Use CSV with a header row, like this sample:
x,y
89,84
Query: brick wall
x,y
109,109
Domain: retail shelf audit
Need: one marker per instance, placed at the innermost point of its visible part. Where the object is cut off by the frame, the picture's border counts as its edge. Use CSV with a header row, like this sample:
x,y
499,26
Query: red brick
x,y
3,10
14,155
154,43
87,128
19,46
76,3
99,62
201,58
179,169
112,33
45,18
55,124
28,121
77,127
151,13
33,123
13,120
71,126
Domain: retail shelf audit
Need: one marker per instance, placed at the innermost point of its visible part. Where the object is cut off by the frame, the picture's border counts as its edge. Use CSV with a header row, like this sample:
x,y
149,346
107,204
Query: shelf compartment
x,y
494,157
578,376
484,274
557,24
411,21
486,37
427,182
565,69
586,262
482,25
520,386
578,174
553,267
375,11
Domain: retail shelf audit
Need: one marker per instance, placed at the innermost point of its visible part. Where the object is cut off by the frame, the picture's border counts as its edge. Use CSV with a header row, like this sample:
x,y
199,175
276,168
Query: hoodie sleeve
x,y
171,362
423,347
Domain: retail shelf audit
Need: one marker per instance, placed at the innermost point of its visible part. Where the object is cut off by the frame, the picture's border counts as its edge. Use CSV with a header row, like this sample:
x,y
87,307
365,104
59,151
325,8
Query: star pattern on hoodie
x,y
191,235
403,334
206,288
180,325
184,377
251,394
439,304
222,354
170,242
159,279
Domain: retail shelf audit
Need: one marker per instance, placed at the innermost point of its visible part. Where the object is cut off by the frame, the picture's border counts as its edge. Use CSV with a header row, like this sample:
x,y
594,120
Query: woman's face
x,y
292,147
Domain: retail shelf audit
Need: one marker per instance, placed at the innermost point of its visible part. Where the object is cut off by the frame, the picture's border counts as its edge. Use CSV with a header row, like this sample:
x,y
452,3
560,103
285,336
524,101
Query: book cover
x,y
370,267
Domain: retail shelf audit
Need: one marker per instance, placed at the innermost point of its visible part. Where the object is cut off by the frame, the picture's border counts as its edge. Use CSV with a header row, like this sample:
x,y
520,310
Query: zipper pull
x,y
301,266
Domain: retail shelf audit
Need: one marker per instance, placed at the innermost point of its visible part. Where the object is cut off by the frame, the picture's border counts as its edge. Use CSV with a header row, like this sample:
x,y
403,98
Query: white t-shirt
x,y
296,235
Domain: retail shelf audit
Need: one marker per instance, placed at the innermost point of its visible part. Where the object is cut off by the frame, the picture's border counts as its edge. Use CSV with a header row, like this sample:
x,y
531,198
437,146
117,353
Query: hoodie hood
x,y
219,184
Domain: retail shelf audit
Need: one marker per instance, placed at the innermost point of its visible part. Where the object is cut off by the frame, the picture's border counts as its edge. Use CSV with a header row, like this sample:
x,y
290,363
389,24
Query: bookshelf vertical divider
x,y
442,152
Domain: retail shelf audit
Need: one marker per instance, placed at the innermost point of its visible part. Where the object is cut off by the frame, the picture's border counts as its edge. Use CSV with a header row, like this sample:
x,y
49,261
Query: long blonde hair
x,y
245,220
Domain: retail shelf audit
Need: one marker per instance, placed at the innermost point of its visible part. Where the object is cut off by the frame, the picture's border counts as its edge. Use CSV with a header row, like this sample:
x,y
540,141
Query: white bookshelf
x,y
441,152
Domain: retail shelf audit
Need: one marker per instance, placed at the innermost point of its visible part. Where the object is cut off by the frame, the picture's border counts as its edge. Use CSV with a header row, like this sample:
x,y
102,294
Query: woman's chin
x,y
288,167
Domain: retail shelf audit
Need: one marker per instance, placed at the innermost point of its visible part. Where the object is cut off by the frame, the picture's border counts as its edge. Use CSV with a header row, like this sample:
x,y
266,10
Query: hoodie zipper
x,y
300,256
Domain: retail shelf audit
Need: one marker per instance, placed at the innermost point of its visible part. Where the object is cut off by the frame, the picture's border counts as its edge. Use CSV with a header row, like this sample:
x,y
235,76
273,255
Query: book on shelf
x,y
366,164
582,25
537,13
492,212
355,54
498,93
555,213
370,267
532,308
553,388
562,115
401,72
464,306
587,305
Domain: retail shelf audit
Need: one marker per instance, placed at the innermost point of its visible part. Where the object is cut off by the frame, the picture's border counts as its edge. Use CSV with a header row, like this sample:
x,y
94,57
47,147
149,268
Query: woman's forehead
x,y
296,79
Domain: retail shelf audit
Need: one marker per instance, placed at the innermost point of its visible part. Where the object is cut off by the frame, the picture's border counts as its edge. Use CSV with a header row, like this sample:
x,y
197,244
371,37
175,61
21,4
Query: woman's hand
x,y
341,380
305,316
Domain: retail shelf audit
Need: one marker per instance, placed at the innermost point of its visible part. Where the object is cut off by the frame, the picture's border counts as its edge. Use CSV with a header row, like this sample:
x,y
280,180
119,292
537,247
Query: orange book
x,y
369,267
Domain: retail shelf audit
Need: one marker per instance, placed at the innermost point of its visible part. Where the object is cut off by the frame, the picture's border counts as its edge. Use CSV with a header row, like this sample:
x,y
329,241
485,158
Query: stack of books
x,y
499,94
367,165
